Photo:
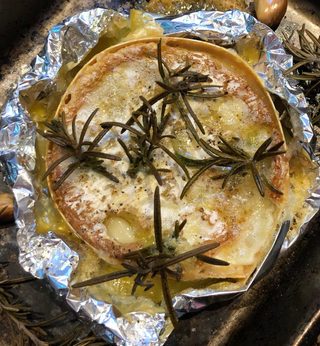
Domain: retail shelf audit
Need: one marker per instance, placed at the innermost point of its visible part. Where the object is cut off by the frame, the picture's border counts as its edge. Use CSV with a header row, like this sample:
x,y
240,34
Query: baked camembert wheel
x,y
113,211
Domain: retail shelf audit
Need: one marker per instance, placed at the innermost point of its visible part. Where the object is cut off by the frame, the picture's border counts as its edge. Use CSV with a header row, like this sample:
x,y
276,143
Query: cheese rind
x,y
243,222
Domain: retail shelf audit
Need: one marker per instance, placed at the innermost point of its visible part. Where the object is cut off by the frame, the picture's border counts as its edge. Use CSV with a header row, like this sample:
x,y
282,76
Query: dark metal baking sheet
x,y
281,310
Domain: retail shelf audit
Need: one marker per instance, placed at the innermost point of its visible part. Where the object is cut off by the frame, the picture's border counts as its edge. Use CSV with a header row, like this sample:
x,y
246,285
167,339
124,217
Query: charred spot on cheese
x,y
118,218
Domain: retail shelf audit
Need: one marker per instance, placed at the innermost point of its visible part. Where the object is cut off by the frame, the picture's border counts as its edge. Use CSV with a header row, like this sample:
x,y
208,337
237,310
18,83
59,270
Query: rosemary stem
x,y
103,278
21,327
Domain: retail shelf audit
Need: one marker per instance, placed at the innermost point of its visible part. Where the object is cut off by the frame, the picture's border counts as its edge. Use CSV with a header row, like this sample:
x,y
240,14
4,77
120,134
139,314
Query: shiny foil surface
x,y
46,255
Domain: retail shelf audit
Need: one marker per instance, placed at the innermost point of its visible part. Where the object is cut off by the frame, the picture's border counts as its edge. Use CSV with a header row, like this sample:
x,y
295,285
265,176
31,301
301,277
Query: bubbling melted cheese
x,y
117,218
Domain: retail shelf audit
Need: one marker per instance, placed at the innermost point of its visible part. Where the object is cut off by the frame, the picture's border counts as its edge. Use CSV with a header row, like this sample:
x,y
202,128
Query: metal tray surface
x,y
283,309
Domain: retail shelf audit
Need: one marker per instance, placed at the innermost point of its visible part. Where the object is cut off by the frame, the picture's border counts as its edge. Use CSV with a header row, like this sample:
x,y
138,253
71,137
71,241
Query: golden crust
x,y
83,217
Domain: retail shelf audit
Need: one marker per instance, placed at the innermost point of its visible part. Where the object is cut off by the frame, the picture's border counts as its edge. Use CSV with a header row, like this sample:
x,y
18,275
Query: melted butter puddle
x,y
47,216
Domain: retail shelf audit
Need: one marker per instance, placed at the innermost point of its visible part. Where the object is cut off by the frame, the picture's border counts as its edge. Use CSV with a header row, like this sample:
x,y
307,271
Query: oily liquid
x,y
47,216
182,6
249,48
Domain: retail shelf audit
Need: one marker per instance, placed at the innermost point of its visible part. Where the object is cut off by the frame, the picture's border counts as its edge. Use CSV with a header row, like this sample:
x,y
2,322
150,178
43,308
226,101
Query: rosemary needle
x,y
156,259
58,134
237,160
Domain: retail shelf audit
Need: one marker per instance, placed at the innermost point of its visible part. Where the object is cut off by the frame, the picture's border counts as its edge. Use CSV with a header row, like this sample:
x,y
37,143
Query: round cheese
x,y
115,218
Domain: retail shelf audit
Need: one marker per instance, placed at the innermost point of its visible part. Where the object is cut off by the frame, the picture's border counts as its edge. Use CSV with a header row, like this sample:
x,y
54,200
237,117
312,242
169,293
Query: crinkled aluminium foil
x,y
47,256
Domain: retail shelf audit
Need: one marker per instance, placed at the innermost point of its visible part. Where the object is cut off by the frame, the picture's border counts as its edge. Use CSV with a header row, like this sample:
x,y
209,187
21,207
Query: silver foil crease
x,y
46,255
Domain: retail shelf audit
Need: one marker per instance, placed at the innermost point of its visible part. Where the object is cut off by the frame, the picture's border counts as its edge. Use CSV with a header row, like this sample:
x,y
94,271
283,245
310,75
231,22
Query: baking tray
x,y
281,310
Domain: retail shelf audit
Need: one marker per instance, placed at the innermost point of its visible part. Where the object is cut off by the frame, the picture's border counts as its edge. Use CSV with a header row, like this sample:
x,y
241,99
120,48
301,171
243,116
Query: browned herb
x,y
315,116
92,340
146,142
58,134
237,159
20,314
158,259
179,86
307,54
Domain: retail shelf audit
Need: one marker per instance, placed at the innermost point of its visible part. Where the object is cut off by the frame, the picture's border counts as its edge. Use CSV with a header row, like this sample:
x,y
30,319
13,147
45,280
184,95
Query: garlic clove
x,y
270,12
6,200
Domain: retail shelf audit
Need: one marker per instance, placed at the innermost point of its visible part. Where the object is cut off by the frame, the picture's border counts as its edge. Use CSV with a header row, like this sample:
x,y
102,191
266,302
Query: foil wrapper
x,y
46,255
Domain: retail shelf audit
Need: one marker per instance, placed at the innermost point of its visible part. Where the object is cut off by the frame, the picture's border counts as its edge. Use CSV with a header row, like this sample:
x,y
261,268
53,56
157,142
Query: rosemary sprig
x,y
179,86
147,141
58,134
93,340
158,259
238,160
315,116
20,314
308,53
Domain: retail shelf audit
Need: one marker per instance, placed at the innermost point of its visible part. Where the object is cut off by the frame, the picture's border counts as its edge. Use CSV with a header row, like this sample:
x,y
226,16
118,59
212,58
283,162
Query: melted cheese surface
x,y
117,218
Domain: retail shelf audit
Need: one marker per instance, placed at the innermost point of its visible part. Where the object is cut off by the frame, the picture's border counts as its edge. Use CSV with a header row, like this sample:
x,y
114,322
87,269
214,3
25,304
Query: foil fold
x,y
46,255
